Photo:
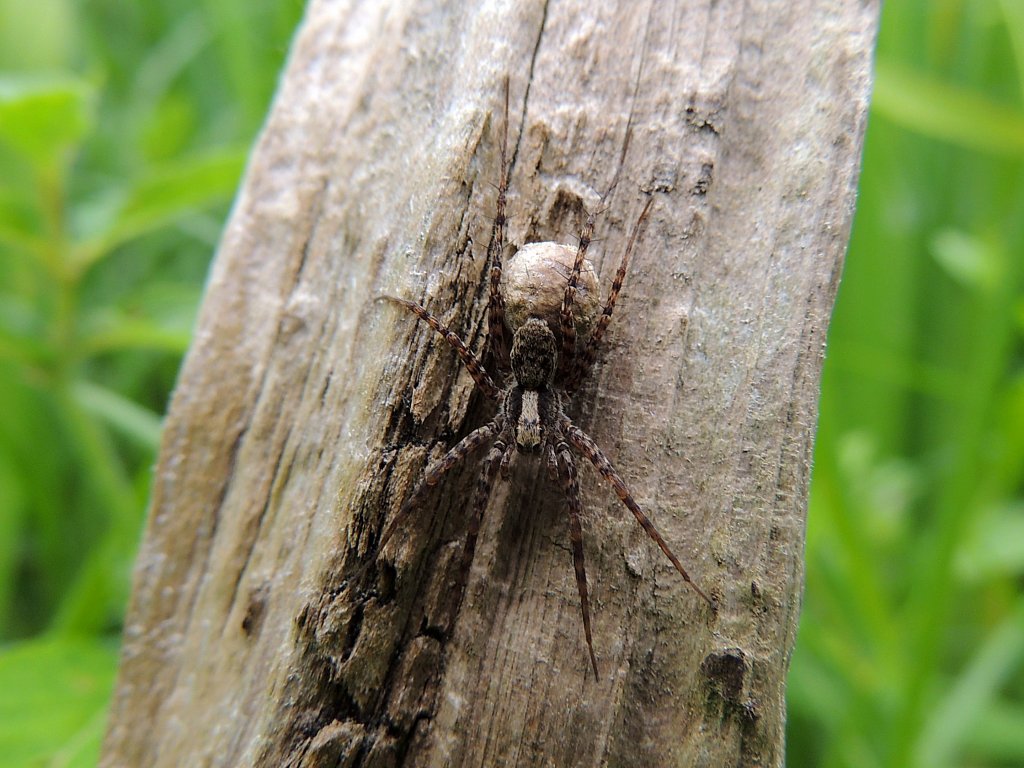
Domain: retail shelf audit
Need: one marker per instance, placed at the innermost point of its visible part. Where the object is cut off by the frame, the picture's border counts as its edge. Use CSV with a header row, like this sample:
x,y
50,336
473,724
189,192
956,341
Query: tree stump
x,y
306,410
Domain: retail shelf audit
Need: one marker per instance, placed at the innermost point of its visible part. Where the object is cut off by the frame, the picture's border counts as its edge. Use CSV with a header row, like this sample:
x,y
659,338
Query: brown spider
x,y
531,415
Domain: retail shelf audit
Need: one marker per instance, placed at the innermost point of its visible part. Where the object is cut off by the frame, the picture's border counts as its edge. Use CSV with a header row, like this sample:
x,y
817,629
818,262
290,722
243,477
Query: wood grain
x,y
306,411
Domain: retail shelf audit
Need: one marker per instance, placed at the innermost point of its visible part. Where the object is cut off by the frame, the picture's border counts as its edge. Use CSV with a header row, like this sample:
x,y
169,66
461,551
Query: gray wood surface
x,y
306,411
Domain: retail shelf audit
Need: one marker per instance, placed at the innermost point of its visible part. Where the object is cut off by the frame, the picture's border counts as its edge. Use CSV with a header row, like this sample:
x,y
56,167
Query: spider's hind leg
x,y
495,303
473,365
566,321
586,359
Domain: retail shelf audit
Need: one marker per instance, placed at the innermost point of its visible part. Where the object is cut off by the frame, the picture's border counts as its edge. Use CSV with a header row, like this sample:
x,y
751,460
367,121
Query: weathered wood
x,y
306,410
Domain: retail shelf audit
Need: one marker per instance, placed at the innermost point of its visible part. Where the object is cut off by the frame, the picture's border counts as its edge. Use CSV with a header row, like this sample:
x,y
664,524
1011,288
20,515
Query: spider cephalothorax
x,y
529,405
547,369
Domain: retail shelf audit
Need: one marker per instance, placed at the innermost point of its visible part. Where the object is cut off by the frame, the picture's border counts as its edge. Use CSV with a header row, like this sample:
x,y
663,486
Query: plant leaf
x,y
53,699
129,418
941,111
166,196
41,117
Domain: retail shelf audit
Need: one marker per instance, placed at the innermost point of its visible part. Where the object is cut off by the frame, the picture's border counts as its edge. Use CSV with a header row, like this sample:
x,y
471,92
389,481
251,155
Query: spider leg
x,y
583,365
552,463
506,461
566,323
495,303
484,484
433,476
566,464
473,365
588,448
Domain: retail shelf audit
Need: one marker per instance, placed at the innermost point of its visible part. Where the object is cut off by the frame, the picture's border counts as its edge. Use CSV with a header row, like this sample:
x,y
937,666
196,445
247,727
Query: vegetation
x,y
911,648
123,133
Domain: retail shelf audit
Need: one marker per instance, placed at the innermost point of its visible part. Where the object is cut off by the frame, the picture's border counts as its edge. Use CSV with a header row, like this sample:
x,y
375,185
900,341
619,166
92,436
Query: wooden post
x,y
306,411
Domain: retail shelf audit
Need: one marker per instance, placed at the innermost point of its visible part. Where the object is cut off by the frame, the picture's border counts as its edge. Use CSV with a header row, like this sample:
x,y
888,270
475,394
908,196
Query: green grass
x,y
912,639
123,130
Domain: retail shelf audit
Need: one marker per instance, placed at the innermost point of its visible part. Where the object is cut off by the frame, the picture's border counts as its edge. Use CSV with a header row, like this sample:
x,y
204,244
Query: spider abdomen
x,y
533,286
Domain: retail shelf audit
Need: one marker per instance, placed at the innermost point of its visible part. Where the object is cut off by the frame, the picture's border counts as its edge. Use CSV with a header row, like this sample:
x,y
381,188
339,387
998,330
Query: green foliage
x,y
53,701
123,133
911,648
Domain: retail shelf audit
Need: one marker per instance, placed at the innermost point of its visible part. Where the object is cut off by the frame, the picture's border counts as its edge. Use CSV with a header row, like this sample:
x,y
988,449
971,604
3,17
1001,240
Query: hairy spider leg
x,y
588,448
566,323
571,486
584,361
484,484
495,303
462,449
473,365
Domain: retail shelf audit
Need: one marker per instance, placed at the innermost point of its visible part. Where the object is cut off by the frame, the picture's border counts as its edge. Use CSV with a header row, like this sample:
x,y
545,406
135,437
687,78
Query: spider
x,y
547,370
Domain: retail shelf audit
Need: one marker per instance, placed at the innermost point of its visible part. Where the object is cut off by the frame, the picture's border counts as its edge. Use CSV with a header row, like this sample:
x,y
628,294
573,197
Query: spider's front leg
x,y
495,459
462,449
565,464
583,443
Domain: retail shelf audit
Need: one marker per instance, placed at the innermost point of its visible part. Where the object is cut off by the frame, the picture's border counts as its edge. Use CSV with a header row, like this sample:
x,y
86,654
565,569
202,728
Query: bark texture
x,y
306,410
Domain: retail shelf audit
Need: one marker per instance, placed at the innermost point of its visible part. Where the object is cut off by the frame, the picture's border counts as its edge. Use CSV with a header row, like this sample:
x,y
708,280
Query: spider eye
x,y
534,354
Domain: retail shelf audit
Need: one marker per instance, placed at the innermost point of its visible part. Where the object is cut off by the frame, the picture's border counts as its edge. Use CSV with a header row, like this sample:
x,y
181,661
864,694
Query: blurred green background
x,y
124,128
123,132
